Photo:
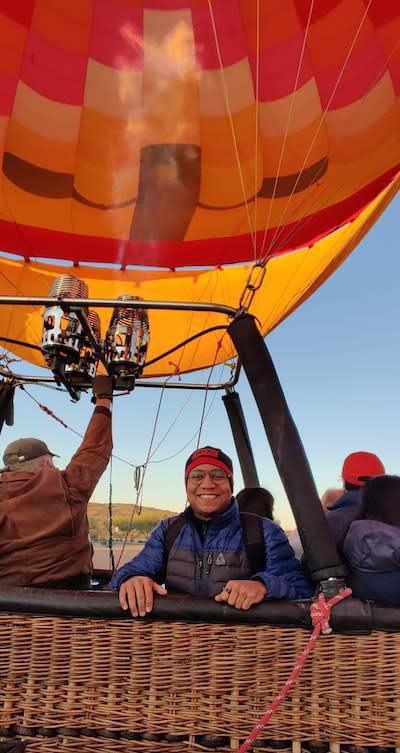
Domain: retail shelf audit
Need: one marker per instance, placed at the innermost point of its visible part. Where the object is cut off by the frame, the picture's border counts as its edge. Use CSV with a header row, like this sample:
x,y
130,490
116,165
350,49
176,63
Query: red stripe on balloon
x,y
8,86
56,73
366,66
229,31
20,11
38,242
279,68
117,37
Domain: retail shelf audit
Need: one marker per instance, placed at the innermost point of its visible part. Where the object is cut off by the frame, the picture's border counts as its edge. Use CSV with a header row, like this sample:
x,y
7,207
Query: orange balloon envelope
x,y
193,133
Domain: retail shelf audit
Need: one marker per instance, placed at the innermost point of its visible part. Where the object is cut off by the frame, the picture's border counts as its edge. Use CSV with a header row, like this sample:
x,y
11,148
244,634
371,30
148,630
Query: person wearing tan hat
x,y
211,550
44,530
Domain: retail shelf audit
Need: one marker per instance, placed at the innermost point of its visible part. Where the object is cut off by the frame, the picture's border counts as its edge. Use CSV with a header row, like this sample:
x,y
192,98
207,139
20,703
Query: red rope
x,y
53,415
320,613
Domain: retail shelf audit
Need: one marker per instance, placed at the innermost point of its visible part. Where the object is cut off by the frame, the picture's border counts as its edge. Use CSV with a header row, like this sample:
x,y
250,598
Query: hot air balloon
x,y
183,142
209,163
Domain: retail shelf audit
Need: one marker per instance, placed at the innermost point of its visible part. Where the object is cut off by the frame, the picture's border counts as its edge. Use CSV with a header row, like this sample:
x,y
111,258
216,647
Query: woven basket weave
x,y
94,684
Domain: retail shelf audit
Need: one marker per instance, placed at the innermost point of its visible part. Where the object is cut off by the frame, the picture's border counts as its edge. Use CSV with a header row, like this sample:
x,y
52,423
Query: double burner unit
x,y
72,343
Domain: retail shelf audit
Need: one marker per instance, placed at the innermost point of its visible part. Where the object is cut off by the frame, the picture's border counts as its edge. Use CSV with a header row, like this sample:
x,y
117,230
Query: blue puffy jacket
x,y
339,517
342,513
202,569
372,553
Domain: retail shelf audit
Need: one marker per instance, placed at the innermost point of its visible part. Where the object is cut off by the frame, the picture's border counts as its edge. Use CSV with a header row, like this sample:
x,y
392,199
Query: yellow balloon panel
x,y
289,280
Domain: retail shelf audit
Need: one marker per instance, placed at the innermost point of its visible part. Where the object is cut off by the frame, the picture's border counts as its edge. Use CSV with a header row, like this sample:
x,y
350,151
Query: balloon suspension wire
x,y
137,507
311,204
303,259
21,343
278,229
301,223
329,194
231,122
262,260
288,120
50,413
6,360
257,127
110,519
173,422
206,319
202,418
336,247
192,438
183,344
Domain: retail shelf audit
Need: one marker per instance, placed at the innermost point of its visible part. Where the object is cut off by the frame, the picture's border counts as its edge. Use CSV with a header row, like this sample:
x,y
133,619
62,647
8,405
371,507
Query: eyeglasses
x,y
217,477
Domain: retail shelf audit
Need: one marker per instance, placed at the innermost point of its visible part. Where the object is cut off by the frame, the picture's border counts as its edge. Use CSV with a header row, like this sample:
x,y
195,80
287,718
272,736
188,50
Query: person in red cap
x,y
44,530
346,504
358,467
203,551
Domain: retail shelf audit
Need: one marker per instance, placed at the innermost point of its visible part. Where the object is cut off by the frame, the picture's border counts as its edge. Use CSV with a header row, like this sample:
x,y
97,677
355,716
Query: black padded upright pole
x,y
290,458
241,438
7,390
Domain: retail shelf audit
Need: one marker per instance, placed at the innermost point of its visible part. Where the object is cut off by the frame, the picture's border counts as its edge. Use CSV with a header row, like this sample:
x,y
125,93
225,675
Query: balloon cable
x,y
110,521
22,343
219,345
189,442
137,507
231,122
320,123
50,413
183,343
285,137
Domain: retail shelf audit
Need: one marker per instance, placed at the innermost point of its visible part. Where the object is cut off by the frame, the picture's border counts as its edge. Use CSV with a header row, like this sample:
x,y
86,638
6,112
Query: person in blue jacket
x,y
346,506
358,467
208,555
372,545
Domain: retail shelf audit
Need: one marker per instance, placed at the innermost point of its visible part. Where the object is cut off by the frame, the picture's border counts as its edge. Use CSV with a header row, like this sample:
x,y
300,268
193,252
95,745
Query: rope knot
x,y
320,610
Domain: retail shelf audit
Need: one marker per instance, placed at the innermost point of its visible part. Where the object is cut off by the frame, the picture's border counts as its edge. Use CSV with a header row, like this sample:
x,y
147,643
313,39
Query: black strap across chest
x,y
253,539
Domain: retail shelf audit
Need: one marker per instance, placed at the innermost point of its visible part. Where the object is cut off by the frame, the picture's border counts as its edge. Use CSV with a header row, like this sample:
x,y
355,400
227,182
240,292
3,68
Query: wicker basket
x,y
79,684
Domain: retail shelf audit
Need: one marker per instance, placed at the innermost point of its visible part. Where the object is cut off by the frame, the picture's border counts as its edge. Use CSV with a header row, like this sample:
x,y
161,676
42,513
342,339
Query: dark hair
x,y
381,499
352,487
257,500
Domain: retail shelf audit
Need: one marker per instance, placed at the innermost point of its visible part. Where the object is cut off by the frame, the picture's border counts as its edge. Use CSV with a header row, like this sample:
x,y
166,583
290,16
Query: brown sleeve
x,y
90,461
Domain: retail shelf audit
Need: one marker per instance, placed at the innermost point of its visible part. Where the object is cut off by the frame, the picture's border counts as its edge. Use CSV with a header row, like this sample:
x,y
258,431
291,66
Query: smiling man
x,y
211,550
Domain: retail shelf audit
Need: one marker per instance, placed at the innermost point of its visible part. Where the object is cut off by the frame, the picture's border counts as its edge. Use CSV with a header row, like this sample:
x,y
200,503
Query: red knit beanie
x,y
213,456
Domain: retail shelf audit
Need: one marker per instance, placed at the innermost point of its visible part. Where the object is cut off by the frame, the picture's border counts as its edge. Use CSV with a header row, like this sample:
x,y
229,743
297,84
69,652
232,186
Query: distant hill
x,y
142,524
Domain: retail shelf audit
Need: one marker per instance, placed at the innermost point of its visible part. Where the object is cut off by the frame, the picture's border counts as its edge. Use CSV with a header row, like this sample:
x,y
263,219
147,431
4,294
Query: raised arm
x,y
90,461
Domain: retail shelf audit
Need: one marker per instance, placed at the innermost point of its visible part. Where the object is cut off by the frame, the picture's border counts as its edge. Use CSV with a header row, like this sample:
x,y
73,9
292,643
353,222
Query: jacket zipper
x,y
204,573
209,563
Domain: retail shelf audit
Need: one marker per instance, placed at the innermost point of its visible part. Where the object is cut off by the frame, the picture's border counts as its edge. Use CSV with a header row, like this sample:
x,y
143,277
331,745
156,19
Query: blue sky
x,y
338,358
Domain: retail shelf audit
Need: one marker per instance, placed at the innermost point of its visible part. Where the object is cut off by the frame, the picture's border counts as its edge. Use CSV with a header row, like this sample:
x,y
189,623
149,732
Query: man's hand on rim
x,y
137,594
242,594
